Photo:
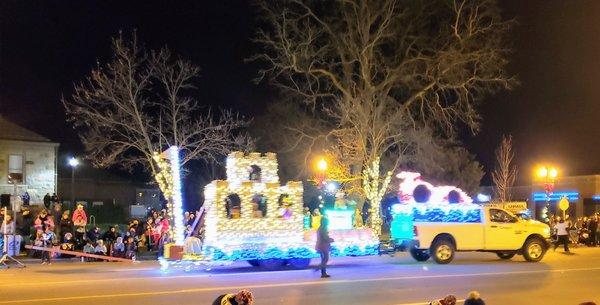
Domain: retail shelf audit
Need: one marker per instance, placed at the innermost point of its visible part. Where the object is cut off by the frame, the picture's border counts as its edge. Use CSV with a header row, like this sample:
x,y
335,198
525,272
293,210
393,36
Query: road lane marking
x,y
276,285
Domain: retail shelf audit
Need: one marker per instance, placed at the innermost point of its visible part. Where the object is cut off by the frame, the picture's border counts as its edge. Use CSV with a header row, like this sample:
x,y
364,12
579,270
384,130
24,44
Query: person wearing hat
x,y
243,297
473,298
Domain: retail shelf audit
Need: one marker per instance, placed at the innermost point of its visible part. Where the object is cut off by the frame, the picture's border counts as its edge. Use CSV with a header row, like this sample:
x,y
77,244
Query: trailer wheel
x,y
272,263
506,254
254,262
442,250
534,249
419,255
299,263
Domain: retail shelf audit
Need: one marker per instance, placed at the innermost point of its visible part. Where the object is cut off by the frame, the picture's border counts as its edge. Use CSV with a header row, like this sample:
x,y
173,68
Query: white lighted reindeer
x,y
444,194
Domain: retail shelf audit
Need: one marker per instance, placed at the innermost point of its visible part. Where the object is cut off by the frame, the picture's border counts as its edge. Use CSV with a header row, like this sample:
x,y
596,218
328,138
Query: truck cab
x,y
487,229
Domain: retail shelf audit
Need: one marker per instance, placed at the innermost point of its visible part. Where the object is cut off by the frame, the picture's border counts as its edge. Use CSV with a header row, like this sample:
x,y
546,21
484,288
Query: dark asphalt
x,y
560,279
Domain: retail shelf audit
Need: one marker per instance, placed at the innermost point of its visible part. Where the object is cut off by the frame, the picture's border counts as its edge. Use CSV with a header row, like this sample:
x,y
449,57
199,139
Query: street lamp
x,y
322,165
548,176
73,162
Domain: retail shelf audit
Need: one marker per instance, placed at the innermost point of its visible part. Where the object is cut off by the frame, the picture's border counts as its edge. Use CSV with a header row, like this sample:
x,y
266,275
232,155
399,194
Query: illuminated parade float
x,y
421,201
251,216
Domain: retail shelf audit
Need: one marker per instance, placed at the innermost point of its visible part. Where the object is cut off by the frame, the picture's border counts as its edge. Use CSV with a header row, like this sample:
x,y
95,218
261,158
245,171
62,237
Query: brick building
x,y
28,162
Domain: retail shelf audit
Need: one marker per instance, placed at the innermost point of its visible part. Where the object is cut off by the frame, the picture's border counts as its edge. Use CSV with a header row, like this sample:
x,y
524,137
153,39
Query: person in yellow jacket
x,y
243,297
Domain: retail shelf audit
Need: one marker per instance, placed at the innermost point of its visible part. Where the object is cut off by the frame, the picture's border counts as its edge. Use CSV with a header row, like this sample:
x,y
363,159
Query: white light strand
x,y
179,227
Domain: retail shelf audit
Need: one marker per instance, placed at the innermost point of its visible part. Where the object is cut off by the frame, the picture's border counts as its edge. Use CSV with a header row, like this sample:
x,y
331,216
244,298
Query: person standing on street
x,y
324,245
562,234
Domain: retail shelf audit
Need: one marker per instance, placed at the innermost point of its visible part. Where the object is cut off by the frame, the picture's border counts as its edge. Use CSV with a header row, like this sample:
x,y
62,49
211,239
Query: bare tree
x,y
505,173
140,103
370,70
442,161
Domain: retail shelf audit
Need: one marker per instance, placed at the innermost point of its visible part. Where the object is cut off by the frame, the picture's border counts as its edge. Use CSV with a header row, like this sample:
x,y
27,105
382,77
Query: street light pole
x,y
72,184
548,176
73,162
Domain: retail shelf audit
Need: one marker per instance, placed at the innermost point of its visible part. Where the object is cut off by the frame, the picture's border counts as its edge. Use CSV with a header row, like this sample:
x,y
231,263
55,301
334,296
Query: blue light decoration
x,y
340,219
179,228
541,196
401,227
596,197
248,253
406,215
465,213
331,187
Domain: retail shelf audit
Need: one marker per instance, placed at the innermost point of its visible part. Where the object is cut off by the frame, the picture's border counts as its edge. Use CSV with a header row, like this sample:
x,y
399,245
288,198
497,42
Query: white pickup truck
x,y
499,231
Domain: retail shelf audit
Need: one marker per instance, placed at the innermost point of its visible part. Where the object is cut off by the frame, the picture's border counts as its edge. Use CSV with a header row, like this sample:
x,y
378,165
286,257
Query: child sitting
x,y
118,248
100,248
130,248
67,244
88,248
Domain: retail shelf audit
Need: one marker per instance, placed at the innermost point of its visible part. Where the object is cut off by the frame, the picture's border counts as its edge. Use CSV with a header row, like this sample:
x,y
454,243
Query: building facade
x,y
583,193
28,162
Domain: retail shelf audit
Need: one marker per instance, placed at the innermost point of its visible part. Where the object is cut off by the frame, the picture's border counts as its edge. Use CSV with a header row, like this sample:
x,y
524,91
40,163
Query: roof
x,y
12,131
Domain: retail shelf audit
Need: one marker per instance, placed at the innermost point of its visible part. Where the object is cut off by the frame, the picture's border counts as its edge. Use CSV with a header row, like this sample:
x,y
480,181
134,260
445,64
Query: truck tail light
x,y
415,231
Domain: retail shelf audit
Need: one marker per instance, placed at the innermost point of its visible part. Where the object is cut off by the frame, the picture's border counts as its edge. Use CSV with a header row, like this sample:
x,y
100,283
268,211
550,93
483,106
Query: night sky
x,y
554,115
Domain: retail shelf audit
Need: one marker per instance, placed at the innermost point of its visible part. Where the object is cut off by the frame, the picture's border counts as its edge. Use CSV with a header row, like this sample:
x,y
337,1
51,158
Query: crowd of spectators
x,y
583,231
52,226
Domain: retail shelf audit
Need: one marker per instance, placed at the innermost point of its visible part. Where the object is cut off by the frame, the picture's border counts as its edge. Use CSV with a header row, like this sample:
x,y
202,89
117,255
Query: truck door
x,y
502,232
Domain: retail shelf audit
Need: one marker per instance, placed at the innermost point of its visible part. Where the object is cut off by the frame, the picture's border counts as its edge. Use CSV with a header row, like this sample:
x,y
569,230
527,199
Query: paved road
x,y
559,279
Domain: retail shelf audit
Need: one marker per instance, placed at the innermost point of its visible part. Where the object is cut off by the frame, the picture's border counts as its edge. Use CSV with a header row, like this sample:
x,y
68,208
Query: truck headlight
x,y
547,232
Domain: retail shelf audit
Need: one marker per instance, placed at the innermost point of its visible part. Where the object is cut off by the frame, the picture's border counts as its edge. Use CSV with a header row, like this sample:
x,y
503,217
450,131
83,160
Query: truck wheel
x,y
419,255
272,263
442,251
299,263
534,250
254,262
506,254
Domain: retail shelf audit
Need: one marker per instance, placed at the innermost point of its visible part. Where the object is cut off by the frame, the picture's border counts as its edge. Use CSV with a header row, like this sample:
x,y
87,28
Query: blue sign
x,y
571,196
